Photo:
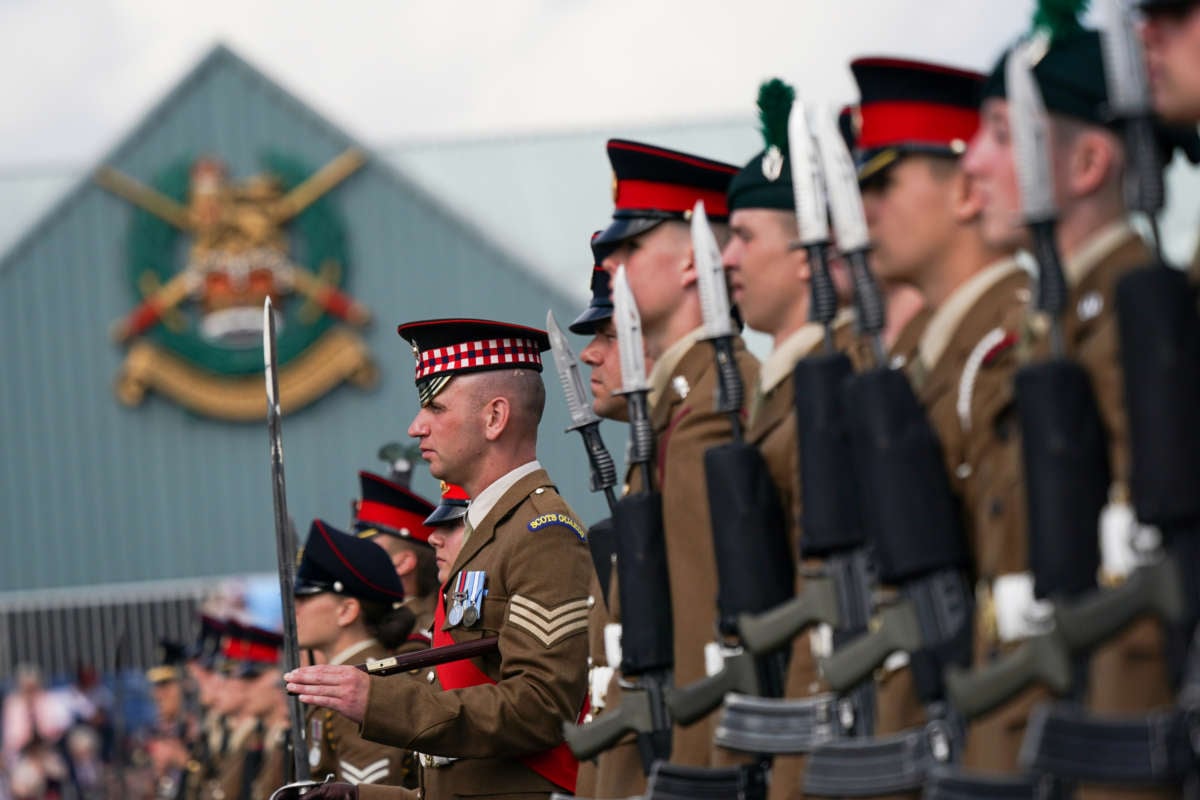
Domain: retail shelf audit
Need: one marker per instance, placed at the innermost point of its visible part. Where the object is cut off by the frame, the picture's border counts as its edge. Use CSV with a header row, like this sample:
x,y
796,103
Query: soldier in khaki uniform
x,y
923,212
349,610
248,654
490,726
393,517
1128,676
621,775
770,283
656,189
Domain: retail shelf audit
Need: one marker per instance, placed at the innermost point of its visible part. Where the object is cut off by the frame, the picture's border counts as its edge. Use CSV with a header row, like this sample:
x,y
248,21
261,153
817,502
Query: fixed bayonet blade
x,y
710,277
629,335
845,202
1124,67
1030,137
568,375
808,179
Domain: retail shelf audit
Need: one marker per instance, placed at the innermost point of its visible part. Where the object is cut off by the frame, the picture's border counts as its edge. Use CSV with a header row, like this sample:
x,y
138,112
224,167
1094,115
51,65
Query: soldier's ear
x,y
496,415
687,269
966,198
1094,160
348,610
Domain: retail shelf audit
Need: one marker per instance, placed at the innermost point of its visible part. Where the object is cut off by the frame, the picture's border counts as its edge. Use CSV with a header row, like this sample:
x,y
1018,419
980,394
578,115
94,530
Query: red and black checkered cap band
x,y
479,354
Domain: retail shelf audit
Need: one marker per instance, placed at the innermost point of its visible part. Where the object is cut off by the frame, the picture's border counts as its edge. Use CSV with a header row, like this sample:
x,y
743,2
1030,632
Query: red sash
x,y
557,764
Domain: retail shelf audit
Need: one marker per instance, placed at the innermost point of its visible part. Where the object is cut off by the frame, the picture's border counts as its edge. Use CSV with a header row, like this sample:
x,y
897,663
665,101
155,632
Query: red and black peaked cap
x,y
652,184
387,507
337,562
448,347
452,508
913,107
600,307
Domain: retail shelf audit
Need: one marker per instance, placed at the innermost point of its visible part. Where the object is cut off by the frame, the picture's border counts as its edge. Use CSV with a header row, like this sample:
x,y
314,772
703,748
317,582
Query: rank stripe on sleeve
x,y
371,773
548,625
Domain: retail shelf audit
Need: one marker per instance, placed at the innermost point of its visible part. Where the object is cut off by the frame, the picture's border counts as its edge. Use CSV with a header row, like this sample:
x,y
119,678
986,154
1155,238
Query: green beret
x,y
766,182
1070,76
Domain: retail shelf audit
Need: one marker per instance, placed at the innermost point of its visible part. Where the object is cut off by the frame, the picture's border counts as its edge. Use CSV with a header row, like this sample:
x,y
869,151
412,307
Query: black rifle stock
x,y
647,638
913,522
754,573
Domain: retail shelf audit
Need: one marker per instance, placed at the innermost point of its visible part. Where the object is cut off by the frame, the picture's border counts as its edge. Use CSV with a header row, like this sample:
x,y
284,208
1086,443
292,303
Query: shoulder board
x,y
558,519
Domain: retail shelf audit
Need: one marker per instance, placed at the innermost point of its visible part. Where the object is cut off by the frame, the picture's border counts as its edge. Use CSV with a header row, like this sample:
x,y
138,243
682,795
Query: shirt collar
x,y
1096,249
782,360
353,650
664,367
481,506
949,314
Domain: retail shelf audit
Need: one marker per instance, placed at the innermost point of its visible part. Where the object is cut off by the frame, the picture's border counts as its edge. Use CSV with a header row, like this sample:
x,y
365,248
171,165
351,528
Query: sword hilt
x,y
604,470
641,433
1144,187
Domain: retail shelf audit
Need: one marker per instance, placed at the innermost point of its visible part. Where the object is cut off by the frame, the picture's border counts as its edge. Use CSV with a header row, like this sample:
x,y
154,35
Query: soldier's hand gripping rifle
x,y
1066,466
754,571
601,536
838,592
285,549
647,637
912,523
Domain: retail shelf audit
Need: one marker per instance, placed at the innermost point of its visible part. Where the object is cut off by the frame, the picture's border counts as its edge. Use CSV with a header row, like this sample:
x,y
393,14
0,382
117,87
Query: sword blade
x,y
710,277
808,179
569,376
1030,137
285,551
629,335
845,202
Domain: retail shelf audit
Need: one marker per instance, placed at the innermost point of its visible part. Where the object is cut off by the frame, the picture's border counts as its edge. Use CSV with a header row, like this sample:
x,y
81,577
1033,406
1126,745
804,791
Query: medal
x,y
455,615
473,588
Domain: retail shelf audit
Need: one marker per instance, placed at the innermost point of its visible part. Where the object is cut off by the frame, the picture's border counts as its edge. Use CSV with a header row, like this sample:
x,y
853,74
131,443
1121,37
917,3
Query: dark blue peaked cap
x,y
337,562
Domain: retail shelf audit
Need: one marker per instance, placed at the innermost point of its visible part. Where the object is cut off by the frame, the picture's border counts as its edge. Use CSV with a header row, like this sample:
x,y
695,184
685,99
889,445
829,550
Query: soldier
x,y
1171,34
491,725
656,190
448,522
208,746
349,609
175,729
1098,247
394,518
247,654
924,217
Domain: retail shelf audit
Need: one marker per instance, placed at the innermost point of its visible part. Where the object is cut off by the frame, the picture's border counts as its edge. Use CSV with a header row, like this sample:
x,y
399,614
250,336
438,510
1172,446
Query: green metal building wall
x,y
92,491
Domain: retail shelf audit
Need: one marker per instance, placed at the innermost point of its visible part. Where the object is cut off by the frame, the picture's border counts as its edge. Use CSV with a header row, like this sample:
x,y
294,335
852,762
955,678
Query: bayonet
x,y
812,218
633,376
850,225
583,418
1130,104
285,550
1030,132
718,324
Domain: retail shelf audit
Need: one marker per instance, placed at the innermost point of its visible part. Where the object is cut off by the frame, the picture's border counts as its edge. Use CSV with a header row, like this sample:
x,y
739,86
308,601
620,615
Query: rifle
x,y
838,592
647,646
912,522
1064,449
285,550
601,541
1160,356
749,535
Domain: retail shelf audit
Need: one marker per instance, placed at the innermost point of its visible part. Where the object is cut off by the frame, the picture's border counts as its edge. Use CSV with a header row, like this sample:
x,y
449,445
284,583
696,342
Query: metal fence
x,y
61,629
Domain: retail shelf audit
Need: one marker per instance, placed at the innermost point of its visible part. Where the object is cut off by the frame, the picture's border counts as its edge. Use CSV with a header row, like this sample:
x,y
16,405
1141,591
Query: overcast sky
x,y
79,75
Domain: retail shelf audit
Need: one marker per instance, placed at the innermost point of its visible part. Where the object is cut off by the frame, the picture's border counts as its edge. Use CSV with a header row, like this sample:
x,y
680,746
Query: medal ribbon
x,y
557,764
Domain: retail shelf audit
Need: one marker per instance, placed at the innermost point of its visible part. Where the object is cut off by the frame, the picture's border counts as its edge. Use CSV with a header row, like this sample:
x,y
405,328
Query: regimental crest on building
x,y
204,250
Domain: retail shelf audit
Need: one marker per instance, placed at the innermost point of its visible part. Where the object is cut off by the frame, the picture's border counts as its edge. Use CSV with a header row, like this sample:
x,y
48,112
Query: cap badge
x,y
772,163
615,186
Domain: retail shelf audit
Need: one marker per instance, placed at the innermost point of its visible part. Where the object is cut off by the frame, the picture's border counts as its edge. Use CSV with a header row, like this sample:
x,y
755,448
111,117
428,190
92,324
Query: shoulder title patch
x,y
548,520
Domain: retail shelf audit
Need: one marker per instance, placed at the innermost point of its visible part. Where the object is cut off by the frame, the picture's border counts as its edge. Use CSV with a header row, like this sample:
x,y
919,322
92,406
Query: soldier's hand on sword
x,y
342,688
